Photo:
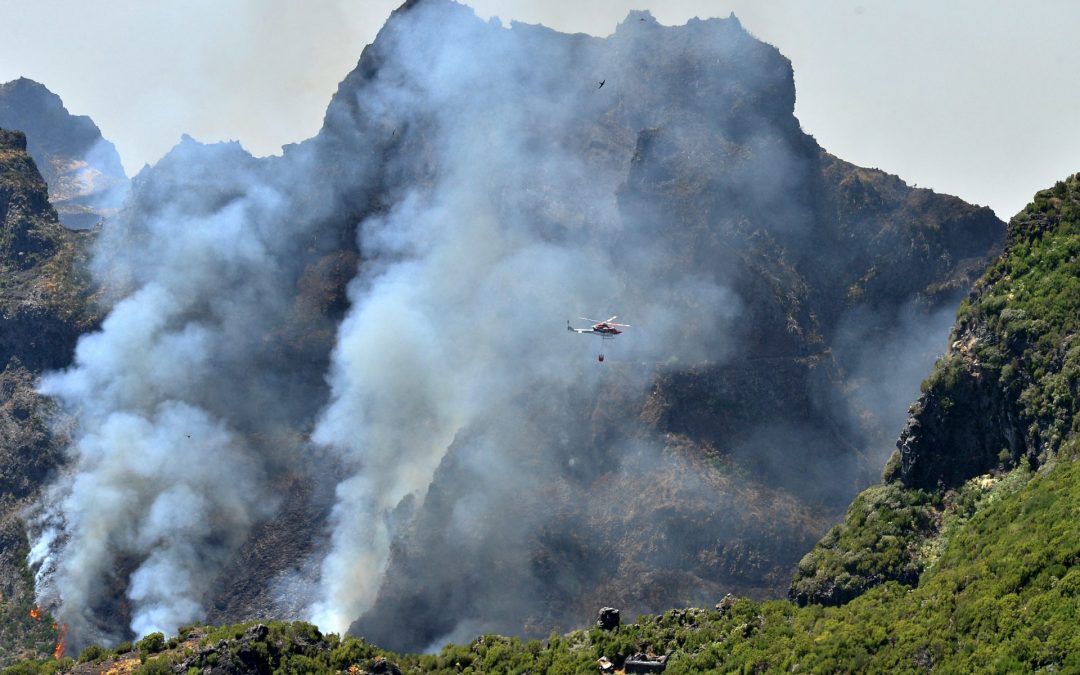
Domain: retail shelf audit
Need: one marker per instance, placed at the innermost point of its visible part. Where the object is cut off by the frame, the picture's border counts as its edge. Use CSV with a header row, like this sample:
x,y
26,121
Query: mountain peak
x,y
25,86
636,16
83,171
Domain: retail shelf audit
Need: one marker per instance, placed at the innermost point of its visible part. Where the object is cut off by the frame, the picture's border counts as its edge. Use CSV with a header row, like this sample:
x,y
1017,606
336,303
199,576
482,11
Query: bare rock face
x,y
675,485
83,171
607,618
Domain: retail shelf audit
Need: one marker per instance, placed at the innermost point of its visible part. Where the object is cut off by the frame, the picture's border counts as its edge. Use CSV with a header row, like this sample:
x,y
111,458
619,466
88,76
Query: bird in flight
x,y
601,84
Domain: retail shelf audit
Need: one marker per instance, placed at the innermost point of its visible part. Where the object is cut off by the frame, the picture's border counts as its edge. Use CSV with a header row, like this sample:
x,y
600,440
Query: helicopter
x,y
607,329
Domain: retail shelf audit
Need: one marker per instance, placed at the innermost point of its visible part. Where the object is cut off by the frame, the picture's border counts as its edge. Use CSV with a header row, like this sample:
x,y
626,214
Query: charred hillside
x,y
346,369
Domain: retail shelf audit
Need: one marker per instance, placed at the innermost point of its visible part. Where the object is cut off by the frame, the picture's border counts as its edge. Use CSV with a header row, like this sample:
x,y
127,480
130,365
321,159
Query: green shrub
x,y
91,653
152,643
157,666
24,668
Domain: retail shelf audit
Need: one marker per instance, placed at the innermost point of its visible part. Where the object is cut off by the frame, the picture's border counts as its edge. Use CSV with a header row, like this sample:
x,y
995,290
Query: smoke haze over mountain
x,y
454,439
513,231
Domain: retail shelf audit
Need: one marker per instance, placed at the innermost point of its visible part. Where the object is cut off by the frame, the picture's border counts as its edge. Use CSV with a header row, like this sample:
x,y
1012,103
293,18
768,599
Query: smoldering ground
x,y
492,190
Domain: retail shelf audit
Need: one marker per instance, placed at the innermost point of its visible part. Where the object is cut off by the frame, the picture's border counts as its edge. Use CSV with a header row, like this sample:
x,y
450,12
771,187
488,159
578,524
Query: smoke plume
x,y
456,311
163,481
479,187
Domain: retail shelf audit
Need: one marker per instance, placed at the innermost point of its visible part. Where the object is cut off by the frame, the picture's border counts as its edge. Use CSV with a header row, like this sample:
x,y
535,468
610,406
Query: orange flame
x,y
58,653
35,614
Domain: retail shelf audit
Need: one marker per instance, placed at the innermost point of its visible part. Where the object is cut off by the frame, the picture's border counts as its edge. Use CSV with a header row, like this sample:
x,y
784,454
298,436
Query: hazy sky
x,y
977,98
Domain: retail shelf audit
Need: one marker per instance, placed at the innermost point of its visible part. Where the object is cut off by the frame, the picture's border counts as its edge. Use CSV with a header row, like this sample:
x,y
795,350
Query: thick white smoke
x,y
468,280
162,483
504,223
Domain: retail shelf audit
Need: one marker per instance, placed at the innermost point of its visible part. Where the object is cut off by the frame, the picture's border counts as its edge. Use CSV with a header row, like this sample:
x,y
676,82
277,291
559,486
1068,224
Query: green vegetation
x,y
877,542
1032,306
39,667
92,653
1004,398
1004,596
1018,332
151,644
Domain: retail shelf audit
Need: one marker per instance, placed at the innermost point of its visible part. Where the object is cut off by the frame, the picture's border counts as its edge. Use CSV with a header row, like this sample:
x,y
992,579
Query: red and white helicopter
x,y
607,329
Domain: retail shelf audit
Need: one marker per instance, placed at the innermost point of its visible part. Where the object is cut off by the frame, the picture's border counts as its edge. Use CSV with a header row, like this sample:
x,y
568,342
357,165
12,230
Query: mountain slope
x,y
997,589
1005,394
768,429
346,372
1005,597
42,312
83,171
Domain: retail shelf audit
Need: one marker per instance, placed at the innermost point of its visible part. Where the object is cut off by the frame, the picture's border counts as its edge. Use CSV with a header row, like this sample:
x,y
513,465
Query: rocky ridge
x,y
85,179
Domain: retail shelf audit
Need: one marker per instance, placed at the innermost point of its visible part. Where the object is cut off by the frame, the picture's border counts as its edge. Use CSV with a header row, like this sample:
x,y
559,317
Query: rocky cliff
x,y
1004,396
42,313
83,171
675,484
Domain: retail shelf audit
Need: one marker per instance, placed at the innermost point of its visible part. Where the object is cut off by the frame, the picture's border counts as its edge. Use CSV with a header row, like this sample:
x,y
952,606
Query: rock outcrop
x,y
86,180
1002,399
